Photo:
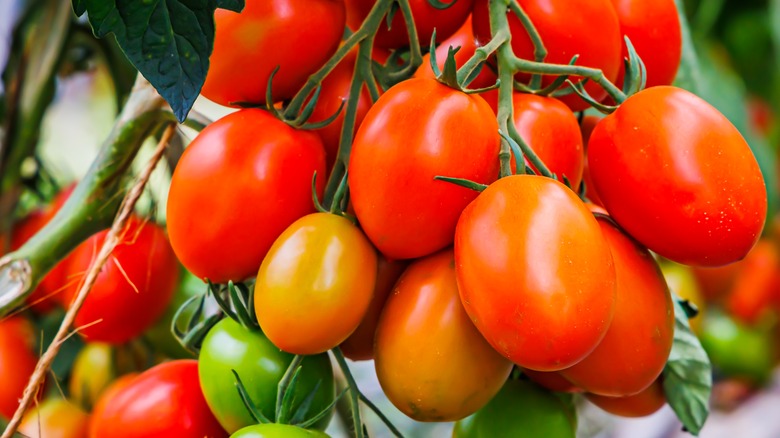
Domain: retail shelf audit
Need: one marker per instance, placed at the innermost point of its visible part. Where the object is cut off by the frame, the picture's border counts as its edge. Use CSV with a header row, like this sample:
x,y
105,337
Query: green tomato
x,y
524,408
260,365
274,430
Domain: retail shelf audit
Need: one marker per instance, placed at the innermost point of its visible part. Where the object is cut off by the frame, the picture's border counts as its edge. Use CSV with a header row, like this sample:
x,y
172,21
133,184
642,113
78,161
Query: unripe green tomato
x,y
274,430
93,370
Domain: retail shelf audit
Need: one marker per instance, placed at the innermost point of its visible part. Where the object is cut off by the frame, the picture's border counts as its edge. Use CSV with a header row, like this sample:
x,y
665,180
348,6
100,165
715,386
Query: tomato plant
x,y
17,360
56,418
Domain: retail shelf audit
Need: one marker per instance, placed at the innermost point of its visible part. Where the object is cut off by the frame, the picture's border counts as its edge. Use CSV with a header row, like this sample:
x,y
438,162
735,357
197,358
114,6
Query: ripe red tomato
x,y
425,305
716,282
296,35
238,185
553,381
416,131
535,273
164,401
550,128
642,404
315,285
426,19
654,30
634,351
593,32
133,288
679,177
586,128
756,284
360,344
17,361
55,418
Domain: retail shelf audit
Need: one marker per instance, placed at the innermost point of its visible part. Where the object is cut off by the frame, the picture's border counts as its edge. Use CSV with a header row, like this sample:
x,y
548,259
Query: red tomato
x,y
134,287
716,282
535,273
463,38
642,404
296,35
654,29
164,401
586,127
17,361
679,177
550,128
360,344
416,131
426,19
553,381
593,32
55,418
423,324
634,351
238,185
756,285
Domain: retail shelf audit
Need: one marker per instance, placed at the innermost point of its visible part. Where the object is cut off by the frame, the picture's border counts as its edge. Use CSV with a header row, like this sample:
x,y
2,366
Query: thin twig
x,y
112,239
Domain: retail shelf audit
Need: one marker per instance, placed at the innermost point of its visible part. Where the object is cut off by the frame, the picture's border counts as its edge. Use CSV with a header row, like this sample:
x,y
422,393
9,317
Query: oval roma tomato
x,y
298,36
593,33
549,127
553,381
17,361
535,273
426,19
425,305
257,172
315,285
55,418
360,344
401,207
654,30
756,285
133,288
274,430
260,365
679,177
587,125
523,408
645,403
164,401
634,351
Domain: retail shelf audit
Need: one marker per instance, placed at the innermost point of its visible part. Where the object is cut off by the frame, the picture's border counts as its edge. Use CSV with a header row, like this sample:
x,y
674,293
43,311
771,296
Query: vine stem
x,y
112,240
540,52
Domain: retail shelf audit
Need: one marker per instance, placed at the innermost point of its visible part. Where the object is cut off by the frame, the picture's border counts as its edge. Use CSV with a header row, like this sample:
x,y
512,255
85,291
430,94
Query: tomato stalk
x,y
540,52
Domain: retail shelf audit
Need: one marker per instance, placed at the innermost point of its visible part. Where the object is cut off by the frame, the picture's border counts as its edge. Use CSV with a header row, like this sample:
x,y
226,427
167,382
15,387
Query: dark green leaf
x,y
687,375
688,73
231,5
79,7
63,362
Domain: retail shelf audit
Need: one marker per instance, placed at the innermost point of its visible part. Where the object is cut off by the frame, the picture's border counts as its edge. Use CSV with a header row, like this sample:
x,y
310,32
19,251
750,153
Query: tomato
x,y
654,31
360,344
716,282
634,351
756,285
534,272
164,401
17,361
463,39
55,418
298,36
586,128
417,130
593,33
551,130
553,381
274,430
133,288
260,365
679,177
426,19
425,305
315,285
642,404
93,371
523,408
682,282
255,170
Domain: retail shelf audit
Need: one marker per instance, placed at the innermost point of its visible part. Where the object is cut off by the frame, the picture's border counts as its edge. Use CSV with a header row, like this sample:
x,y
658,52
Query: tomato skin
x,y
164,401
523,408
679,177
92,372
315,285
589,122
403,210
256,170
425,305
756,284
17,360
55,418
642,404
360,344
682,283
654,30
593,33
261,365
274,430
634,351
512,283
553,381
550,128
133,288
297,35
426,19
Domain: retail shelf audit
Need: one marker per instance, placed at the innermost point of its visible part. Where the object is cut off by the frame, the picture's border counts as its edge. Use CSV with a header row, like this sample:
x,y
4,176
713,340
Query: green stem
x,y
93,204
415,55
354,392
481,55
594,74
540,52
499,26
285,382
394,430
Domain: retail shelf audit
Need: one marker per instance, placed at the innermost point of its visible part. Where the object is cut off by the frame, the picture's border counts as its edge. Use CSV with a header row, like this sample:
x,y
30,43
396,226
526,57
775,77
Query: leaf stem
x,y
354,392
540,52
